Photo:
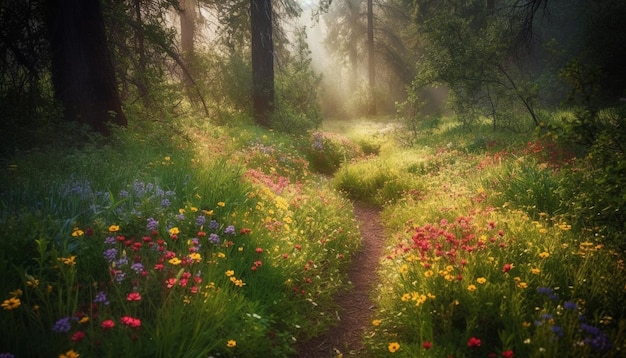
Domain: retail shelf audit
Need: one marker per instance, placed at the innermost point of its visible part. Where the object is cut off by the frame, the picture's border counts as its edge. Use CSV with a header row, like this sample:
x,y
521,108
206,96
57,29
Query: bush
x,y
327,151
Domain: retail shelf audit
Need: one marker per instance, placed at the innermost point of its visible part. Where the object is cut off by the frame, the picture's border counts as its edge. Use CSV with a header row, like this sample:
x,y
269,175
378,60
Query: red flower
x,y
473,342
258,250
78,336
507,267
427,345
133,296
108,324
507,354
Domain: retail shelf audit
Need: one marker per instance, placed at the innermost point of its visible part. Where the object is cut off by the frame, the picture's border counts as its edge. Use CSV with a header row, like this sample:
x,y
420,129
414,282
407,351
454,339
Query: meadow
x,y
233,241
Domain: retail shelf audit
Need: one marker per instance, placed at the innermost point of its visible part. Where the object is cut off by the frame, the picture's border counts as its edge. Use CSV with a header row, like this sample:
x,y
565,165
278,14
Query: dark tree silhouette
x,y
262,61
82,69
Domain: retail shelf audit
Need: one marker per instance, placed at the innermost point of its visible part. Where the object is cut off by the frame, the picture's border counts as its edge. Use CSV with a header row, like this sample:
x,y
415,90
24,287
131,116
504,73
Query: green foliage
x,y
326,151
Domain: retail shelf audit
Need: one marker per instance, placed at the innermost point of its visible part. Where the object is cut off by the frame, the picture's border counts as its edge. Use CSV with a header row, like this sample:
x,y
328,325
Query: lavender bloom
x,y
122,261
101,297
180,217
214,239
230,230
63,325
152,224
137,267
558,331
200,220
214,225
110,240
110,255
124,194
119,276
159,193
569,305
6,355
165,203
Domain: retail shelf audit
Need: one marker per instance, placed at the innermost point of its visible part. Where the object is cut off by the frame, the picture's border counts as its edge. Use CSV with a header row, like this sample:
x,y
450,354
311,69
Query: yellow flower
x,y
207,212
31,281
69,354
449,268
16,293
174,231
174,261
229,273
11,304
221,255
114,228
544,254
403,269
429,273
471,288
376,322
405,297
77,232
84,319
195,257
181,211
70,261
393,347
535,271
481,280
193,209
522,285
221,204
543,230
526,324
449,277
431,296
231,343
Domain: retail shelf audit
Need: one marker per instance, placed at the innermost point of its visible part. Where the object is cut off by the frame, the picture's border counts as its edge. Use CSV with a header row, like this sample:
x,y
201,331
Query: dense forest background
x,y
64,64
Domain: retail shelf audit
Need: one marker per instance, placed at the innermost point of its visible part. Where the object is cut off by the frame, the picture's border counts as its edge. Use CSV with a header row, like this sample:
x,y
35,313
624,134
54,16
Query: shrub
x,y
328,151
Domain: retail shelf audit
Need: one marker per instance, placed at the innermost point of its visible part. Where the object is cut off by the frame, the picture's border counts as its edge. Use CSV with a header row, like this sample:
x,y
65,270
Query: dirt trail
x,y
355,307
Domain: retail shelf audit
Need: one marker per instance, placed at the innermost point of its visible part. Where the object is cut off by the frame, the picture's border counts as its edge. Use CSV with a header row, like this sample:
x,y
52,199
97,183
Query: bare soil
x,y
355,307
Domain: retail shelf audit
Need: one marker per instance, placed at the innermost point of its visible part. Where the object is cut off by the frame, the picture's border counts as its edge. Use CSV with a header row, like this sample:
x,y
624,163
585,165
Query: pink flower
x,y
507,267
427,345
473,342
507,354
258,250
131,322
133,296
108,324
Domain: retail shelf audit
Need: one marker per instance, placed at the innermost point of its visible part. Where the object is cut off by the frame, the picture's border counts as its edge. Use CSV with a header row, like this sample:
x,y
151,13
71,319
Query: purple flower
x,y
110,240
230,230
569,305
101,297
119,276
558,331
110,254
63,325
180,216
214,239
200,220
137,267
214,225
165,203
152,224
6,355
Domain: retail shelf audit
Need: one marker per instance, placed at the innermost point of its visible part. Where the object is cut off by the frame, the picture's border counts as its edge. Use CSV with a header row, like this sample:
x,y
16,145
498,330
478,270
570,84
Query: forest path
x,y
355,307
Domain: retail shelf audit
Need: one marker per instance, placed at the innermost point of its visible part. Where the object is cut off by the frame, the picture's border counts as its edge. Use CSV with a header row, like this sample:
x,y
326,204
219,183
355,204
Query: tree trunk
x,y
187,33
82,70
262,61
371,65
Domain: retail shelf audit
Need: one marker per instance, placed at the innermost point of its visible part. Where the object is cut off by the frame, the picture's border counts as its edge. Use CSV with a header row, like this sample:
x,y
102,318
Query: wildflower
x,y
535,271
101,298
427,345
558,331
174,261
471,288
231,343
376,322
403,269
258,250
406,297
393,347
544,255
69,354
569,305
230,273
214,239
63,325
70,261
507,354
481,280
78,336
174,231
133,296
31,281
152,224
110,255
201,220
114,228
473,342
507,267
77,232
6,355
522,285
230,230
221,204
131,322
11,303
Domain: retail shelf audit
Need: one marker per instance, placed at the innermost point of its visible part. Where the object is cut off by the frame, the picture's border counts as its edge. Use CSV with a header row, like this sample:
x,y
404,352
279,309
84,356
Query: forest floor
x,y
355,307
